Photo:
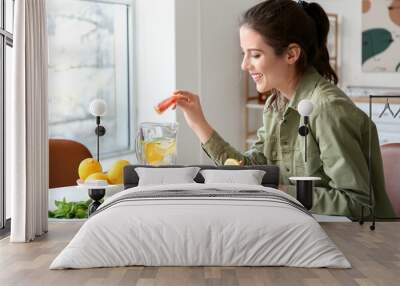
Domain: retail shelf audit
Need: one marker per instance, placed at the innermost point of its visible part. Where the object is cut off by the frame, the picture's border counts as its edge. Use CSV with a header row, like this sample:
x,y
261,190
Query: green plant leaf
x,y
80,213
70,210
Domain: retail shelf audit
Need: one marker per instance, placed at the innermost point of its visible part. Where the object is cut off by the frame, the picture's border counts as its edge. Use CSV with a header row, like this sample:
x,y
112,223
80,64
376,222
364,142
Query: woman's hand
x,y
194,116
190,105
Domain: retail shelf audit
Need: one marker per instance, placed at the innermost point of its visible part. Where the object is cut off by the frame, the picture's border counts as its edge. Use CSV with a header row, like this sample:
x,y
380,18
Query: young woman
x,y
284,50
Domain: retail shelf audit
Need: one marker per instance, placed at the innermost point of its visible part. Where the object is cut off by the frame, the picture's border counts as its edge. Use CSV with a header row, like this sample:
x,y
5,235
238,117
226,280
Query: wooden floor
x,y
375,257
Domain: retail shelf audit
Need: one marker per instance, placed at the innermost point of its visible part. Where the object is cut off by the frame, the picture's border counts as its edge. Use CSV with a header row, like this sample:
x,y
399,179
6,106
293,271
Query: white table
x,y
331,218
76,194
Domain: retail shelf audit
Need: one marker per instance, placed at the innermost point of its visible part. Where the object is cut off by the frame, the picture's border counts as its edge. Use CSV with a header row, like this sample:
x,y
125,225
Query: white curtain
x,y
27,120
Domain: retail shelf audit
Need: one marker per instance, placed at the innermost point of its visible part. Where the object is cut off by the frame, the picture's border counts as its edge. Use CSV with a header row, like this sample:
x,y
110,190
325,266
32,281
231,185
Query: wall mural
x,y
381,35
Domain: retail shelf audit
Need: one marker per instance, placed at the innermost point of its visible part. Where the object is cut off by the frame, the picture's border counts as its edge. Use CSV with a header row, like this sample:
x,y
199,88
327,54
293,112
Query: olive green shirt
x,y
337,149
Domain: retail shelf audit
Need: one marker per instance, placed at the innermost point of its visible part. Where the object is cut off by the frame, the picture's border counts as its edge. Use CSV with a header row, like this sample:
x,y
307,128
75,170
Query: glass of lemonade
x,y
156,143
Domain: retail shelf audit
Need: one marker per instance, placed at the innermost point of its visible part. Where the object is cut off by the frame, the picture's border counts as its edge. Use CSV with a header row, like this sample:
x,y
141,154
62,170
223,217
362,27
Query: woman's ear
x,y
293,53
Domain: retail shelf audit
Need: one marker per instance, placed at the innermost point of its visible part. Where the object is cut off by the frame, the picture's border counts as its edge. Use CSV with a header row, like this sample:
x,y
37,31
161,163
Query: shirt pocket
x,y
272,149
313,164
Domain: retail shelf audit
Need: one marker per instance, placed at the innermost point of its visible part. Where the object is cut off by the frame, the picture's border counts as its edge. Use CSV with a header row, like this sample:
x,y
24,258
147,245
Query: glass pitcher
x,y
156,143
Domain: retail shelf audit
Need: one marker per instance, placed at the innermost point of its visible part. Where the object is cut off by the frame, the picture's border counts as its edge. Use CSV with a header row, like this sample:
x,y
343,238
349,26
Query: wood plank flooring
x,y
375,257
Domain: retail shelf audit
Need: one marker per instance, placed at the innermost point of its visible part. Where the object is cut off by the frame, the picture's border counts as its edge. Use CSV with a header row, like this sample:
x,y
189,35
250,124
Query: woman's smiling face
x,y
259,59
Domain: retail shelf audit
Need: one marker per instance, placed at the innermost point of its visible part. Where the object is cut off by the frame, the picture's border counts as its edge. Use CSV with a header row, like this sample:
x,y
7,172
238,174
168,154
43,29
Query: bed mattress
x,y
201,225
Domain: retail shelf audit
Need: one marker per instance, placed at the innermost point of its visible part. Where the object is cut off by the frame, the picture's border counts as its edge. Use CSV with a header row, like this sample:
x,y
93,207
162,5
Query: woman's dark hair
x,y
282,22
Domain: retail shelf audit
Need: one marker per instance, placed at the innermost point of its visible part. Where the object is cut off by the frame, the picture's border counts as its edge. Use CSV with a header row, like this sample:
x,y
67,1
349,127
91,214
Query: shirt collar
x,y
305,87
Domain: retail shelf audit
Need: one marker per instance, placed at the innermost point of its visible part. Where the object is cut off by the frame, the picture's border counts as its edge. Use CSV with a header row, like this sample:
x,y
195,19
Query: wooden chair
x,y
391,166
64,159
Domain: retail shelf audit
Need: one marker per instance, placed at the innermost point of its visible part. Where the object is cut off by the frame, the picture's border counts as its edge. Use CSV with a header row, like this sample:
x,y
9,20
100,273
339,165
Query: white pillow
x,y
163,176
249,177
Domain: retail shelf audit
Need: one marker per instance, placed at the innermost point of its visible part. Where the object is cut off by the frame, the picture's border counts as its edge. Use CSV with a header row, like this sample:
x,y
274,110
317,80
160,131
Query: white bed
x,y
203,231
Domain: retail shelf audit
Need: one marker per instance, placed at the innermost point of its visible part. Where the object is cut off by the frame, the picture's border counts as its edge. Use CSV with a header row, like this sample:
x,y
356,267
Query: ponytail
x,y
321,59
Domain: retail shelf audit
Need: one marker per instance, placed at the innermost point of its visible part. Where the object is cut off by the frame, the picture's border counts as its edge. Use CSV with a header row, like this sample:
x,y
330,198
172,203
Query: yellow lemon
x,y
233,162
116,173
87,167
153,153
97,176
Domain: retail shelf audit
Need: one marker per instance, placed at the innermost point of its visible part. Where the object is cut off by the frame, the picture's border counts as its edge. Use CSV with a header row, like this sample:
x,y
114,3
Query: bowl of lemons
x,y
92,176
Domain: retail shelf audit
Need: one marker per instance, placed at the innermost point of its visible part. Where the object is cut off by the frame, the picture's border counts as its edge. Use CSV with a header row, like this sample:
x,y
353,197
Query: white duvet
x,y
200,231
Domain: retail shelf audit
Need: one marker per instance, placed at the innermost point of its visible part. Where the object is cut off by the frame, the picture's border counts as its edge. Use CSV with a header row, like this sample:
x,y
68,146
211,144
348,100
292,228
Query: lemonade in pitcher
x,y
159,151
156,143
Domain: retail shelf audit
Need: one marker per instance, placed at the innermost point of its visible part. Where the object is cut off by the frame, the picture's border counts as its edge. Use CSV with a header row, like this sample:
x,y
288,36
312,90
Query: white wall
x,y
221,76
187,55
155,57
208,60
350,29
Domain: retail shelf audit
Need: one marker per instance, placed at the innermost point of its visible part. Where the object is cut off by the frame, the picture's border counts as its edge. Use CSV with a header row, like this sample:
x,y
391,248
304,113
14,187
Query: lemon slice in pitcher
x,y
152,152
170,148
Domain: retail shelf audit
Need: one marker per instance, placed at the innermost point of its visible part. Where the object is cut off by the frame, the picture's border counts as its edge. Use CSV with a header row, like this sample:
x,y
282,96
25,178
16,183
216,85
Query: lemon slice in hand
x,y
233,162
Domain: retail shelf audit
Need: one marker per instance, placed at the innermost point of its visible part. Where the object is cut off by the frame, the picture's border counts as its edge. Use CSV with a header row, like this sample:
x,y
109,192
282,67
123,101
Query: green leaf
x,y
70,215
80,213
72,209
66,209
81,205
